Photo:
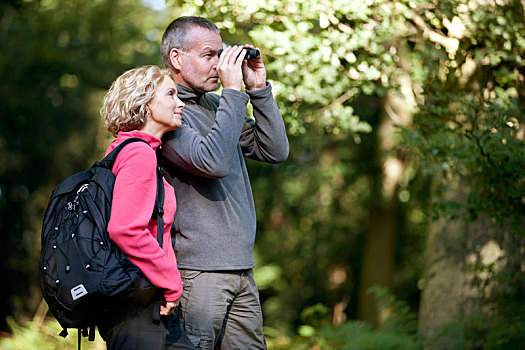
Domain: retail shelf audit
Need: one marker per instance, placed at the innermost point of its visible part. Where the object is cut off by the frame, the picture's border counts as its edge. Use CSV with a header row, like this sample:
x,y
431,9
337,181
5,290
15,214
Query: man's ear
x,y
175,59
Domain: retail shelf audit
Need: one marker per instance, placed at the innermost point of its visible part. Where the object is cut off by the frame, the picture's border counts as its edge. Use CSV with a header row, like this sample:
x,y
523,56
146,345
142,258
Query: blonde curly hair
x,y
126,102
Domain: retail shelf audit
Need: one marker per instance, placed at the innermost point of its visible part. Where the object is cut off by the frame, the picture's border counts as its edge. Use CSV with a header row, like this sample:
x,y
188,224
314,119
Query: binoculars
x,y
251,54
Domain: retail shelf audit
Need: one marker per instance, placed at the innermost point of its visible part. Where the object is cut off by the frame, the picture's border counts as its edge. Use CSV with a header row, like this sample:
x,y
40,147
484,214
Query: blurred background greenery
x,y
398,220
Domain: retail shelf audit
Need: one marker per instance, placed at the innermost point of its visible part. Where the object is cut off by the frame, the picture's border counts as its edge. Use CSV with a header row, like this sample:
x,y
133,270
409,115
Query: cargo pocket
x,y
187,277
200,340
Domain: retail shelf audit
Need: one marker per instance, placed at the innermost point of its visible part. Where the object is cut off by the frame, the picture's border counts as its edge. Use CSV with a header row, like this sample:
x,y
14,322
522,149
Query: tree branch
x,y
338,101
450,44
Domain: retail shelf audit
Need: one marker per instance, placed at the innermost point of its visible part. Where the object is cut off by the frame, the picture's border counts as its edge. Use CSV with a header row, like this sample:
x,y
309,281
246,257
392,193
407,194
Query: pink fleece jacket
x,y
131,226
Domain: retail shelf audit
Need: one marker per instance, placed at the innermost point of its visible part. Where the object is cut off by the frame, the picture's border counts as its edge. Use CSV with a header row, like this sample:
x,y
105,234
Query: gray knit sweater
x,y
215,224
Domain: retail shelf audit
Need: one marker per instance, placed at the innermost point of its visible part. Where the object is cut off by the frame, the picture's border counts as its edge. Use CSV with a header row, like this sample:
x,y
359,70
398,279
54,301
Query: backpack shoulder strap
x,y
159,201
108,161
158,209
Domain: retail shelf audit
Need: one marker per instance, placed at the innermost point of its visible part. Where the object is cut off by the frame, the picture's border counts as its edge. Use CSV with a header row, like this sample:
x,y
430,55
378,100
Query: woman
x,y
142,103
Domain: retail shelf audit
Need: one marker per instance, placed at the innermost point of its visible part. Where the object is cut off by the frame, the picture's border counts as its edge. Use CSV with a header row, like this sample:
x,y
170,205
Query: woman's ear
x,y
147,112
175,59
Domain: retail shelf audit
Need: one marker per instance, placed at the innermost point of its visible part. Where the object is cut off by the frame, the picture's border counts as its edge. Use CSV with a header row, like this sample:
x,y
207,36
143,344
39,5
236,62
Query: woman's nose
x,y
179,103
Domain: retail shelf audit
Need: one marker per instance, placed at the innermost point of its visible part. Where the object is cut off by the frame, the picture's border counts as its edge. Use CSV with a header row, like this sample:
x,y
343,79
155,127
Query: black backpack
x,y
83,275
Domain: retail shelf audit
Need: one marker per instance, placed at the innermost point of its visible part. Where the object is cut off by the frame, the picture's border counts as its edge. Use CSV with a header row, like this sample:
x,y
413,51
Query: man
x,y
214,229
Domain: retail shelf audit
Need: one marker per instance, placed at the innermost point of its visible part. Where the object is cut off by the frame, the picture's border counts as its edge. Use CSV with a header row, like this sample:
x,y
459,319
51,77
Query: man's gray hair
x,y
176,35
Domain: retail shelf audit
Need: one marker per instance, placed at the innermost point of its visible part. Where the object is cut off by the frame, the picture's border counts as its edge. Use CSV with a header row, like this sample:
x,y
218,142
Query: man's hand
x,y
230,69
168,308
253,72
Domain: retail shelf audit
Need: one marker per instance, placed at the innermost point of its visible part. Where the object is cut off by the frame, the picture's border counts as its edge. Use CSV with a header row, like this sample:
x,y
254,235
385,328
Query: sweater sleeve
x,y
264,138
133,200
209,155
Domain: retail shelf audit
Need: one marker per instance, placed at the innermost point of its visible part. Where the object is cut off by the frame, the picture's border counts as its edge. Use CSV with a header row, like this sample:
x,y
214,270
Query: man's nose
x,y
215,61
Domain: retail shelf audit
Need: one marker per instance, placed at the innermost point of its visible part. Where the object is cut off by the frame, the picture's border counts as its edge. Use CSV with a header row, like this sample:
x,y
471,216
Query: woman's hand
x,y
168,308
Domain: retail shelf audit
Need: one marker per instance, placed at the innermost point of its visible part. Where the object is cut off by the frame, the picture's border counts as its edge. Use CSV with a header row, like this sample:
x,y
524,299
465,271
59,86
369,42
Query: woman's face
x,y
166,108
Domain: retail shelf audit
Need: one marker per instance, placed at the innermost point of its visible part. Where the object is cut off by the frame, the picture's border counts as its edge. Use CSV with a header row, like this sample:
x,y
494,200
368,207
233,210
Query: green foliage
x,y
43,333
472,119
480,332
306,234
477,140
38,336
399,318
397,332
315,315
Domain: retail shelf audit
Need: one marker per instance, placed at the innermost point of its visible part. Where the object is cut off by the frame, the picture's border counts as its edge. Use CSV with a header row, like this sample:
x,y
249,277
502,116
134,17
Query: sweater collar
x,y
188,94
153,141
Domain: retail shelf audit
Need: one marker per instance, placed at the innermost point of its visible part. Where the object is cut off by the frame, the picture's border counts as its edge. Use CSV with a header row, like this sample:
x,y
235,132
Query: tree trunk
x,y
461,260
378,260
378,254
